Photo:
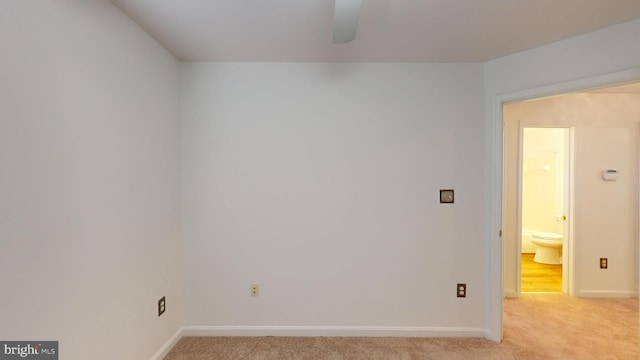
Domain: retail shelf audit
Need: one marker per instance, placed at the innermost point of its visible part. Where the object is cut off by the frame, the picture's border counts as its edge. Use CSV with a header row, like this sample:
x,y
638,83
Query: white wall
x,y
587,60
605,212
321,183
613,49
542,183
89,204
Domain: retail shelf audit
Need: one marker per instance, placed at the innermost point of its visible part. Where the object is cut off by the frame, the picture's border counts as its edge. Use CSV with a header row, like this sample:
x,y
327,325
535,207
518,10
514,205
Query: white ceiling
x,y
388,30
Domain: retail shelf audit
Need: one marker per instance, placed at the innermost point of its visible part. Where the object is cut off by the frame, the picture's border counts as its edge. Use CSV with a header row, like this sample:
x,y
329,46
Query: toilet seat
x,y
546,236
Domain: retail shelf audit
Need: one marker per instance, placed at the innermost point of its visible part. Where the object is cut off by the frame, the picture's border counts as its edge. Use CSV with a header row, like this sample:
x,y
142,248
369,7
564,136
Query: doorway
x,y
501,272
603,213
544,204
537,197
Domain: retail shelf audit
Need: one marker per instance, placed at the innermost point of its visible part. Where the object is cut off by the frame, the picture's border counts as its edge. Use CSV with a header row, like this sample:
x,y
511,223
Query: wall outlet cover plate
x,y
162,306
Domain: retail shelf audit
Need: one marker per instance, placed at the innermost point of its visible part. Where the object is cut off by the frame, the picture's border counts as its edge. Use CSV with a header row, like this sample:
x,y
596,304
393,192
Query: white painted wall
x,y
608,55
89,201
605,212
543,172
613,49
321,183
543,151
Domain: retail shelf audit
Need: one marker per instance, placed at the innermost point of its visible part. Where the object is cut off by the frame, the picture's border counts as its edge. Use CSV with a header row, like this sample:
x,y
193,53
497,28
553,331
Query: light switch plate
x,y
446,196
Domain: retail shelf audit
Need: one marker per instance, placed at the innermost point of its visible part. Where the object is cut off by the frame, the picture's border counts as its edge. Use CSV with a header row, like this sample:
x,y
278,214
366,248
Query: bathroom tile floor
x,y
540,277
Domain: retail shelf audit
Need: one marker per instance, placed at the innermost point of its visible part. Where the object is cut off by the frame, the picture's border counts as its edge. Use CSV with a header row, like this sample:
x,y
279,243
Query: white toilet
x,y
549,245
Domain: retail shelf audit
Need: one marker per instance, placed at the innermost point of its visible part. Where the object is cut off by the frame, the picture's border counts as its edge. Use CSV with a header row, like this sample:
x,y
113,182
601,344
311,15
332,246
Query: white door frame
x,y
495,165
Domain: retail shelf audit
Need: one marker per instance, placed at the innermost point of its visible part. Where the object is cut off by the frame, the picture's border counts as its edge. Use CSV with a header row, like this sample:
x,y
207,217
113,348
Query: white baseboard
x,y
359,331
606,294
164,350
488,335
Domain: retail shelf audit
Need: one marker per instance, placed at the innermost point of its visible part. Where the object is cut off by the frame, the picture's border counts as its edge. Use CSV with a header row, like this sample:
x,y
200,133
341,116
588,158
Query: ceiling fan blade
x,y
345,20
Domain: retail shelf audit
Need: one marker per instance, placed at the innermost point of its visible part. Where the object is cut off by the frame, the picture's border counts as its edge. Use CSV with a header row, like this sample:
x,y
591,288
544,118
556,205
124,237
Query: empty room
x,y
319,179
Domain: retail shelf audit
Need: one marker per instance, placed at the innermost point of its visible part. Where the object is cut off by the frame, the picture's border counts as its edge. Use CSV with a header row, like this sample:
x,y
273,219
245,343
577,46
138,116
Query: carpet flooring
x,y
536,326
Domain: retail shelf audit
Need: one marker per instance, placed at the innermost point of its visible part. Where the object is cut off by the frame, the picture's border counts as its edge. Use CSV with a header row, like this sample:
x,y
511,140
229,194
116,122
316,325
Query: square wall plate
x,y
446,196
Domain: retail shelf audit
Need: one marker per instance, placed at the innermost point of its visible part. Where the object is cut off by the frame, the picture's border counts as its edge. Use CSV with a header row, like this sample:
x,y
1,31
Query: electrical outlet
x,y
255,289
161,306
604,263
461,290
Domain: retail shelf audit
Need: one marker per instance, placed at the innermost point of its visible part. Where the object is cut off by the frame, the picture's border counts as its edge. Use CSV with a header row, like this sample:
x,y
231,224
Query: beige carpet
x,y
536,326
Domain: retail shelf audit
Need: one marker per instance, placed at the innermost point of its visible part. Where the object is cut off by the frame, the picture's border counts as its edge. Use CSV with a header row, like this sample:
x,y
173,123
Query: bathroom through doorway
x,y
544,204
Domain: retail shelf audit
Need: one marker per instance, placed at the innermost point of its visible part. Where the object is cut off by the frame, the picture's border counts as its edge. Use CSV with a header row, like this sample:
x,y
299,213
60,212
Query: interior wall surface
x,y
320,183
89,201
